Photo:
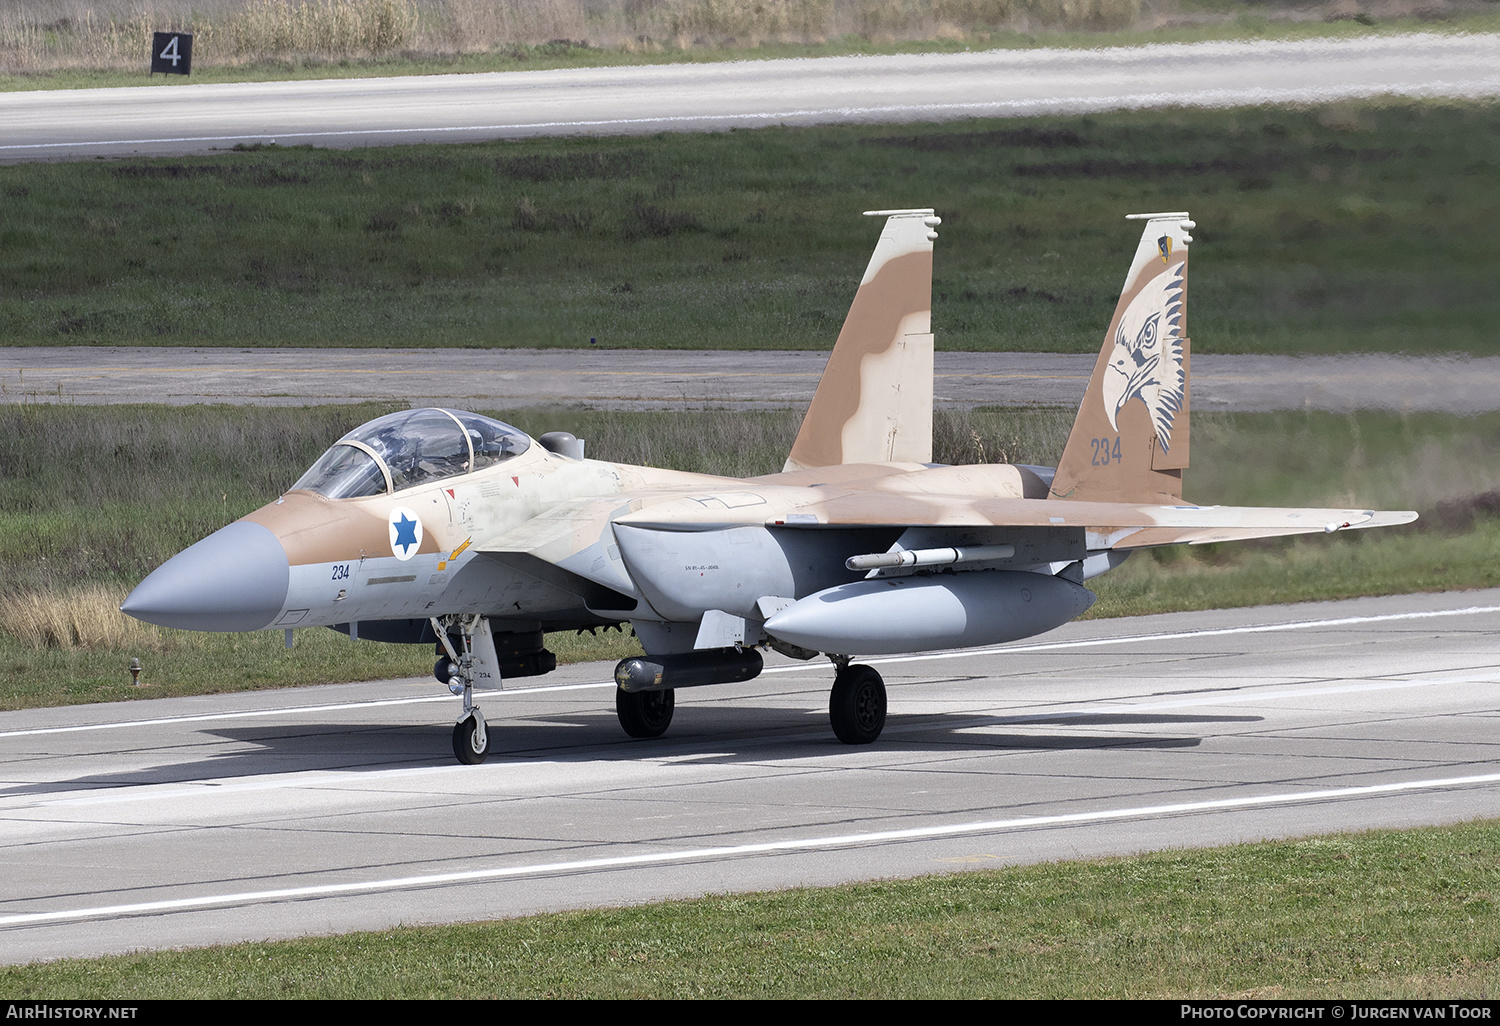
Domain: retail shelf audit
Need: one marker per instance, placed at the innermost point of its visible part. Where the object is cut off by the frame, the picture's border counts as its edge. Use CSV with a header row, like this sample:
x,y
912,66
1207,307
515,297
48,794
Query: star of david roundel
x,y
406,532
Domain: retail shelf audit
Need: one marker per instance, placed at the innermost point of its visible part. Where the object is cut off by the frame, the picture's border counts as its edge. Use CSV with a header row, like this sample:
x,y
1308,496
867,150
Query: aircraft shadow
x,y
723,736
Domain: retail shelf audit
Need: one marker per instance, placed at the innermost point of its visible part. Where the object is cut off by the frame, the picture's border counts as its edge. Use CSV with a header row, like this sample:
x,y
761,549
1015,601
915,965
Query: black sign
x,y
171,53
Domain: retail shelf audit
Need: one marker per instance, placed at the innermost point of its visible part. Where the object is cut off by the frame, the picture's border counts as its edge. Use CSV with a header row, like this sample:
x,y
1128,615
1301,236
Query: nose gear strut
x,y
471,742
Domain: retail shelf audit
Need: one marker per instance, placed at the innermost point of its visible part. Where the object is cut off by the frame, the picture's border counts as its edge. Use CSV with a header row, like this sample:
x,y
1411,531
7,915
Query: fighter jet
x,y
445,528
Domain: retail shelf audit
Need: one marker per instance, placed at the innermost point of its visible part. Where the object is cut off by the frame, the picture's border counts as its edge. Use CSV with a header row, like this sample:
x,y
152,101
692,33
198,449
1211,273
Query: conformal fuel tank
x,y
916,614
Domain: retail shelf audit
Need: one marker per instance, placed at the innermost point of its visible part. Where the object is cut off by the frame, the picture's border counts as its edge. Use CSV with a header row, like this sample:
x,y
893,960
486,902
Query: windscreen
x,y
344,472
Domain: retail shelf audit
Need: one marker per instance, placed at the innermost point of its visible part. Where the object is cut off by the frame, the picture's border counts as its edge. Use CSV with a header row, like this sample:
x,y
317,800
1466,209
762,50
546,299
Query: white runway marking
x,y
1344,621
734,851
209,717
1297,625
1236,697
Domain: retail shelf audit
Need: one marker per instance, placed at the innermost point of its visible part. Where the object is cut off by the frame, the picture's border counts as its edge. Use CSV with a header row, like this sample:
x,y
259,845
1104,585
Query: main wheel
x,y
645,713
467,744
856,706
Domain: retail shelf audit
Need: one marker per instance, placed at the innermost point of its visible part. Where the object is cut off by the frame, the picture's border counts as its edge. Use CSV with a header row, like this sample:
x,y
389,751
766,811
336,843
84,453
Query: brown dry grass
x,y
322,28
86,617
41,36
115,34
51,35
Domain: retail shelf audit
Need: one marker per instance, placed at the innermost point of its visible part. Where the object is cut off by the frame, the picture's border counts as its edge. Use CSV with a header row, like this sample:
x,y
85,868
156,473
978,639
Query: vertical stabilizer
x,y
874,401
1130,441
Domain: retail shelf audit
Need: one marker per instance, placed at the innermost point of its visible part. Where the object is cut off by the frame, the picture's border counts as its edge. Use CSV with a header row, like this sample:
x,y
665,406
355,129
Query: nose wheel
x,y
856,706
471,742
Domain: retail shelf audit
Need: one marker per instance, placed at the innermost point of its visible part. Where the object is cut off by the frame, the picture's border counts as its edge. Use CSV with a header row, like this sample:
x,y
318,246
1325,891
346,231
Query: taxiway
x,y
643,379
174,118
283,813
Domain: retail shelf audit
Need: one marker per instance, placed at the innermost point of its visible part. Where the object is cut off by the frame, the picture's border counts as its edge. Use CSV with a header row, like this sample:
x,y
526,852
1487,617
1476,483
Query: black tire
x,y
645,713
464,747
856,706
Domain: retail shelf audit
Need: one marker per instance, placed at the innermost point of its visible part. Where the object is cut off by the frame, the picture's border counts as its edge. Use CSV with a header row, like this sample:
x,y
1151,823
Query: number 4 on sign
x,y
171,53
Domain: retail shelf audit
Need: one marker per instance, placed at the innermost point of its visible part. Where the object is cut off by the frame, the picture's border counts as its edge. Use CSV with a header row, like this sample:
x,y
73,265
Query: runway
x,y
172,118
284,813
636,379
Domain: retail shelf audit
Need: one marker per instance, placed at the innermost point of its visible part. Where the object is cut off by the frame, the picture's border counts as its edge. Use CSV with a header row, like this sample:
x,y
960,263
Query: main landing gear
x,y
645,713
471,742
856,706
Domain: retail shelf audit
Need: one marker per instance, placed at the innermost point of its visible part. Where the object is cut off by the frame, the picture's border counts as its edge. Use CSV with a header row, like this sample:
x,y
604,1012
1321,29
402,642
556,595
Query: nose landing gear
x,y
471,742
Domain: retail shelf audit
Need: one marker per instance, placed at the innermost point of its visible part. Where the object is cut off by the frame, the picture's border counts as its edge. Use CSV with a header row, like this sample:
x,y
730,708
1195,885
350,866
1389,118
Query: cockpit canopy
x,y
414,447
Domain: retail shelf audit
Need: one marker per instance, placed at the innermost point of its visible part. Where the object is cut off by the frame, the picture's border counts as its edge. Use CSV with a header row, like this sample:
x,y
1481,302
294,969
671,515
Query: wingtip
x,y
1375,518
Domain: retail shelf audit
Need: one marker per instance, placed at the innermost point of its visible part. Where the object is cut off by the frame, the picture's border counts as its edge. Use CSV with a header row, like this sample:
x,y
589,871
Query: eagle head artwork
x,y
1146,361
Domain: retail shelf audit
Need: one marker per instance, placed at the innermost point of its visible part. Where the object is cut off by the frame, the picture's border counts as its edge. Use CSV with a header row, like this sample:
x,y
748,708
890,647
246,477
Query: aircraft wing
x,y
1110,524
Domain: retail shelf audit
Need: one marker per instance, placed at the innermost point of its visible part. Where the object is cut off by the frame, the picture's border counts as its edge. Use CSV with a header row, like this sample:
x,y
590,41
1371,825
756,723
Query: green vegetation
x,y
93,498
1336,229
1386,562
52,44
1379,915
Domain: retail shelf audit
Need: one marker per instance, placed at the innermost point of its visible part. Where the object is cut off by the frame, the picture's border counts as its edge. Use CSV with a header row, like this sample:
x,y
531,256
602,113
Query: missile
x,y
916,614
929,557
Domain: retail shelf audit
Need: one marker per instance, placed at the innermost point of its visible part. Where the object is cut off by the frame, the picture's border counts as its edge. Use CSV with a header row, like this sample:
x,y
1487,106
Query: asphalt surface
x,y
666,379
170,117
286,813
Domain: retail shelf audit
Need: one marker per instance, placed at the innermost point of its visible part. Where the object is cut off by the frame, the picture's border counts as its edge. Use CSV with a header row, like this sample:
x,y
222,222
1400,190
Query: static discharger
x,y
930,557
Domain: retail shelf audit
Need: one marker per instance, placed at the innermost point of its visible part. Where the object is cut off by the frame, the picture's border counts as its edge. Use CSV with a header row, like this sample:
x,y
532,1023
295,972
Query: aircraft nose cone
x,y
234,580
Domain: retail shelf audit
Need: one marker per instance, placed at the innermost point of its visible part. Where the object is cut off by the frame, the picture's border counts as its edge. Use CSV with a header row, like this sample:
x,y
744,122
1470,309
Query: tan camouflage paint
x,y
874,401
1116,452
314,529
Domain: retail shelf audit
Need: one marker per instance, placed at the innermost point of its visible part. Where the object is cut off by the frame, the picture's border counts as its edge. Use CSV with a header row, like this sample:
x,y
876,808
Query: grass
x,y
1390,562
1350,228
1380,915
93,498
52,44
